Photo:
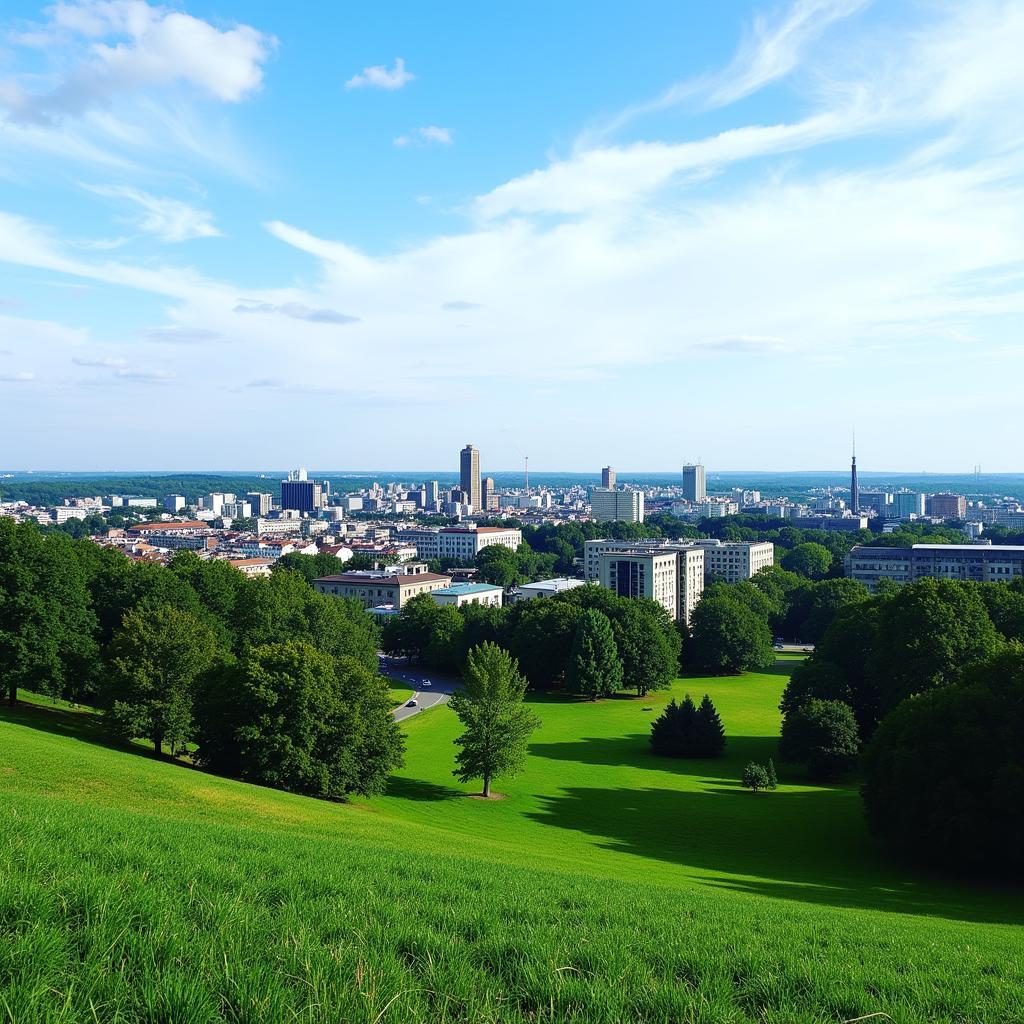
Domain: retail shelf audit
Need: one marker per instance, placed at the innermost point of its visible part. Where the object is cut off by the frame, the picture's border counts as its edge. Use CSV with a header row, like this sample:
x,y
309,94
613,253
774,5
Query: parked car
x,y
412,703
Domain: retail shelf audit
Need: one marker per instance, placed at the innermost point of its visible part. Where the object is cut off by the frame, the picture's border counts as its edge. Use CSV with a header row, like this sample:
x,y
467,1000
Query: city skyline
x,y
757,221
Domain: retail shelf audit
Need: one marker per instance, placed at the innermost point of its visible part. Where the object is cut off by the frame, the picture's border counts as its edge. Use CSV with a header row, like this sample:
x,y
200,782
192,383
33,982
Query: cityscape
x,y
511,513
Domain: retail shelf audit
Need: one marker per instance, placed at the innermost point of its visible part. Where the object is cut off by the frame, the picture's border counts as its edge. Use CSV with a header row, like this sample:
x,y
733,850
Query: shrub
x,y
684,730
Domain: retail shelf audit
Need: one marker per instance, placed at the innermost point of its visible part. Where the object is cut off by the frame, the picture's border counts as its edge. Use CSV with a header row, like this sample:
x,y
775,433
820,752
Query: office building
x,y
488,495
694,483
261,503
373,589
609,505
608,478
947,506
459,594
236,510
906,504
715,509
300,494
879,502
843,524
469,476
174,502
983,563
461,542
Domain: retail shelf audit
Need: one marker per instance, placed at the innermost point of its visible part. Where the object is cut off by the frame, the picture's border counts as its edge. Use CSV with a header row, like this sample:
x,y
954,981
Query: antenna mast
x,y
527,461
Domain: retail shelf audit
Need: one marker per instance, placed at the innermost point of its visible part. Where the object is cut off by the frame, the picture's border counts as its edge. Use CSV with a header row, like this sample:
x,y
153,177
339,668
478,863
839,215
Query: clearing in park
x,y
608,885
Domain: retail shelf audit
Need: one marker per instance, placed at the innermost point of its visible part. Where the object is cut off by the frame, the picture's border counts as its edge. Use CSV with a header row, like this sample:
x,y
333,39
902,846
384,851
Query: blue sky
x,y
352,235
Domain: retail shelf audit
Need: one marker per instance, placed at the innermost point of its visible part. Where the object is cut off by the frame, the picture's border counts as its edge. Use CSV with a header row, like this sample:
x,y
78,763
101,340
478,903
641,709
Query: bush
x,y
944,775
755,777
821,734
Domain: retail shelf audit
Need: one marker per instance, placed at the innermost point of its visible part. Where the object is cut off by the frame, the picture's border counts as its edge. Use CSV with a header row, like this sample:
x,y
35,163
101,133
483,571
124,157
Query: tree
x,y
928,631
294,717
47,626
540,636
684,730
944,774
648,644
496,722
819,603
821,734
708,733
773,780
755,777
728,637
814,561
155,659
594,667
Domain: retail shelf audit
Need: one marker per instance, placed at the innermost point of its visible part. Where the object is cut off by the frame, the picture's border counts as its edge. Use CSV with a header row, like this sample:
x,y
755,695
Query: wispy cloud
x,y
100,362
429,135
297,311
379,76
180,335
23,377
170,220
458,305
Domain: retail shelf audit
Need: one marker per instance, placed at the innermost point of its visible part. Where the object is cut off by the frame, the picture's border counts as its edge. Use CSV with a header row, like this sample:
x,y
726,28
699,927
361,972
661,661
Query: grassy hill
x,y
608,885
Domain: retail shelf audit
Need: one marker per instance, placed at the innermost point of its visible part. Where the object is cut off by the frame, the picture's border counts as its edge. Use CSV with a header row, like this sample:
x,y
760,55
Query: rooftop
x,y
193,524
368,576
458,589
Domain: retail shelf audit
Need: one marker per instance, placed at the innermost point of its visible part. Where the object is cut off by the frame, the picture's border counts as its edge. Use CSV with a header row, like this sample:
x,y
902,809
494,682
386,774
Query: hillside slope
x,y
605,887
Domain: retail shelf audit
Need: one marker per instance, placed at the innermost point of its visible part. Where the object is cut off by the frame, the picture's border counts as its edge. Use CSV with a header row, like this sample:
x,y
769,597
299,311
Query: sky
x,y
359,236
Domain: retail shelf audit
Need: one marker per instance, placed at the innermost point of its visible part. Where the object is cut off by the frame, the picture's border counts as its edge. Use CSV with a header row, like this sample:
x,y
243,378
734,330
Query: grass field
x,y
607,885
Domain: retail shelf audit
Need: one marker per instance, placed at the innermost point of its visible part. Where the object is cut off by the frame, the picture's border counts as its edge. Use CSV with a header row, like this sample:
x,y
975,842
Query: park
x,y
605,884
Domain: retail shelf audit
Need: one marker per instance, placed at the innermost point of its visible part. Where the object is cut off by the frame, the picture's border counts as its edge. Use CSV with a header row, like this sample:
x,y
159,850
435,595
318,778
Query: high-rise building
x,y
469,476
261,502
694,483
174,502
299,493
608,505
433,491
488,495
608,477
907,503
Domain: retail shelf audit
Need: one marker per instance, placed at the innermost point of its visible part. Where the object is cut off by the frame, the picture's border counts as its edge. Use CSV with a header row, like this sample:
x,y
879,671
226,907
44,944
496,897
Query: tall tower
x,y
608,477
854,486
469,476
694,483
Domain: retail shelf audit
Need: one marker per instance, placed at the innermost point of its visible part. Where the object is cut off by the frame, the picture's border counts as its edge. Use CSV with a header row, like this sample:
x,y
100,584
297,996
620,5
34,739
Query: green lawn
x,y
608,885
399,695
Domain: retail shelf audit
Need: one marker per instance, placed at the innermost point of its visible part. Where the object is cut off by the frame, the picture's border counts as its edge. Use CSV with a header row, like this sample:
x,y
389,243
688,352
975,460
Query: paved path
x,y
429,688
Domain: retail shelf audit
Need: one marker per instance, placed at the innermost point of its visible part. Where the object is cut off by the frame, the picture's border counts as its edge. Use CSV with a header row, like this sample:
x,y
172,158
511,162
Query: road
x,y
429,688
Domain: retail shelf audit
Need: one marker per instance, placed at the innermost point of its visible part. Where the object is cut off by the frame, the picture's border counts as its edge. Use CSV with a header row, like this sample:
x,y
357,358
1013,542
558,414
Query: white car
x,y
412,703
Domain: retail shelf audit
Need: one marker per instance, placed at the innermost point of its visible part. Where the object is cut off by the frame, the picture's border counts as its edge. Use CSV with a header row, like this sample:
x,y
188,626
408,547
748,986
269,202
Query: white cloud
x,y
22,377
118,47
171,220
100,362
298,311
180,335
382,77
426,136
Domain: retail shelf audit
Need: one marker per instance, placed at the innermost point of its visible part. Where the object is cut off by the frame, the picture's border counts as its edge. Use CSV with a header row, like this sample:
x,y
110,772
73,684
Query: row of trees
x,y
586,640
686,730
259,678
925,682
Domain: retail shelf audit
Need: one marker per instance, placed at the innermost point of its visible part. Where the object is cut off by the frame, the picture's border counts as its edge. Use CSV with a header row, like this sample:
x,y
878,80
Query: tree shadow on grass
x,y
635,750
807,845
418,789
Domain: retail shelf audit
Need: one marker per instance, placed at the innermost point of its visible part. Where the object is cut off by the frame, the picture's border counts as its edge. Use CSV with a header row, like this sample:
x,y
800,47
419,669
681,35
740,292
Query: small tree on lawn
x,y
755,778
671,730
594,667
490,708
773,780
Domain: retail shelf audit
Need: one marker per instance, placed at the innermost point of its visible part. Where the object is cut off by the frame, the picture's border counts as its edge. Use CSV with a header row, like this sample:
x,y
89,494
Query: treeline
x,y
262,679
923,684
586,640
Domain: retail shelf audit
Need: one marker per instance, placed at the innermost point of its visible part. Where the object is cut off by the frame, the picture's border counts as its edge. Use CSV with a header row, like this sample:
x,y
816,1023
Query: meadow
x,y
606,885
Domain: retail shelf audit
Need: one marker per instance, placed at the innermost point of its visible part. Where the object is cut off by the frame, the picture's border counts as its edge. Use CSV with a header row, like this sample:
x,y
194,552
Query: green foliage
x,y
155,659
727,635
47,625
291,716
755,777
811,560
594,668
684,730
540,636
496,722
311,567
821,734
506,568
648,644
944,774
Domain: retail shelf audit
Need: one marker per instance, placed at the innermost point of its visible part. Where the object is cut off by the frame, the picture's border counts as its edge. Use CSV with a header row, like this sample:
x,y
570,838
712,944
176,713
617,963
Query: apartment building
x,y
461,542
982,563
674,577
459,594
610,505
732,561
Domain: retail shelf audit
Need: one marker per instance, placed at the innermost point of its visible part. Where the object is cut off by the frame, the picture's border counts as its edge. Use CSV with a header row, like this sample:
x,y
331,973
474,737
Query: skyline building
x,y
608,505
469,476
694,482
608,477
